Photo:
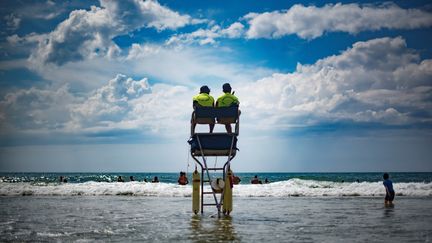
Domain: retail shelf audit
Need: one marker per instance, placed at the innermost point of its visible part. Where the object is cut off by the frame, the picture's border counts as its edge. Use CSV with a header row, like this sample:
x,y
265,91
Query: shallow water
x,y
137,218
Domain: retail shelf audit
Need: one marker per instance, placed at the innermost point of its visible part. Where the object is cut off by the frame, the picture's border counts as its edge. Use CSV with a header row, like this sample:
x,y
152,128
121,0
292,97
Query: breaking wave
x,y
289,188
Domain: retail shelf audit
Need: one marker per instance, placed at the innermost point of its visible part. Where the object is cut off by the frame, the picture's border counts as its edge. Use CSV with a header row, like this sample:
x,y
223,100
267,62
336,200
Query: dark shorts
x,y
390,196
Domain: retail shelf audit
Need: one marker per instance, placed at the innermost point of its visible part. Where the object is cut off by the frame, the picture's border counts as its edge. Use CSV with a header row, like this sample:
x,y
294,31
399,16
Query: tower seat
x,y
223,115
213,144
211,115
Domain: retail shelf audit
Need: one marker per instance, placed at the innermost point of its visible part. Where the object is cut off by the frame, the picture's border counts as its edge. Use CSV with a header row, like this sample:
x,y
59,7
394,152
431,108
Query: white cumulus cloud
x,y
88,33
35,109
309,22
208,36
128,104
376,81
121,104
110,103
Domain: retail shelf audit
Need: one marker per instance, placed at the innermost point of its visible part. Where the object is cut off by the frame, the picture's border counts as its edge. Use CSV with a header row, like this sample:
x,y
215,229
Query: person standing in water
x,y
255,180
390,193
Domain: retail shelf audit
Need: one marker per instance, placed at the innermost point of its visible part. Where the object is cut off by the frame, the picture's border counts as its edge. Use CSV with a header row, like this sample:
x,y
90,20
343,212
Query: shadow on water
x,y
212,229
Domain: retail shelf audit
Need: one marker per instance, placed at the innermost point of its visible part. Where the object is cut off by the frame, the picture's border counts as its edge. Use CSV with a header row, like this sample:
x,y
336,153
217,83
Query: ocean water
x,y
294,207
246,177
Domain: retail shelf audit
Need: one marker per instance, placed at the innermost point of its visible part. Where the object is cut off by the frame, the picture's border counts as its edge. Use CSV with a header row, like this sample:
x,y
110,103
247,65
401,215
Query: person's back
x,y
227,99
389,185
183,179
203,99
255,180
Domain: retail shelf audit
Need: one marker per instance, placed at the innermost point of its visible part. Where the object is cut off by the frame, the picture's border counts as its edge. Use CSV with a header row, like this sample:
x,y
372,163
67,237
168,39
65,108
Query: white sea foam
x,y
292,187
311,188
95,189
47,234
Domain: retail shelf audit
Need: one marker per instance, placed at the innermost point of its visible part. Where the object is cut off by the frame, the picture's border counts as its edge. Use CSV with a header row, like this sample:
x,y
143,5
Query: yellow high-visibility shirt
x,y
227,99
204,99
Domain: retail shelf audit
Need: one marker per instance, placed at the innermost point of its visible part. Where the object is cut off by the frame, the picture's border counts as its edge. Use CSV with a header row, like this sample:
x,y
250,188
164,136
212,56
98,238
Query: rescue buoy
x,y
227,200
196,180
218,185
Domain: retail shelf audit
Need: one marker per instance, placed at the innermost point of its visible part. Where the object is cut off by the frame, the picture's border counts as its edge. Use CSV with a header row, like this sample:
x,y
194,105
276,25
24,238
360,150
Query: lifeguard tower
x,y
206,145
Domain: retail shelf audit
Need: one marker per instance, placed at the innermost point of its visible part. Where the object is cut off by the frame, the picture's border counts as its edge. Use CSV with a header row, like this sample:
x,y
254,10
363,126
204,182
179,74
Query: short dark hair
x,y
386,176
205,89
226,87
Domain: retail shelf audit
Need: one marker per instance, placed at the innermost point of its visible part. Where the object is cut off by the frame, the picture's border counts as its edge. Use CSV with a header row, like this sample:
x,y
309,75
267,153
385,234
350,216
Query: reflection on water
x,y
212,229
388,210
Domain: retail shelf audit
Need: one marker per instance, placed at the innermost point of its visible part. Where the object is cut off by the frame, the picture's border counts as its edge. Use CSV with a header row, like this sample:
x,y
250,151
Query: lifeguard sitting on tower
x,y
226,100
203,99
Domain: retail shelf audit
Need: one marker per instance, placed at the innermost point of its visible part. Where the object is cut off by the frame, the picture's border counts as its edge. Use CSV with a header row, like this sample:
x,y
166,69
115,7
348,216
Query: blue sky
x,y
323,86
